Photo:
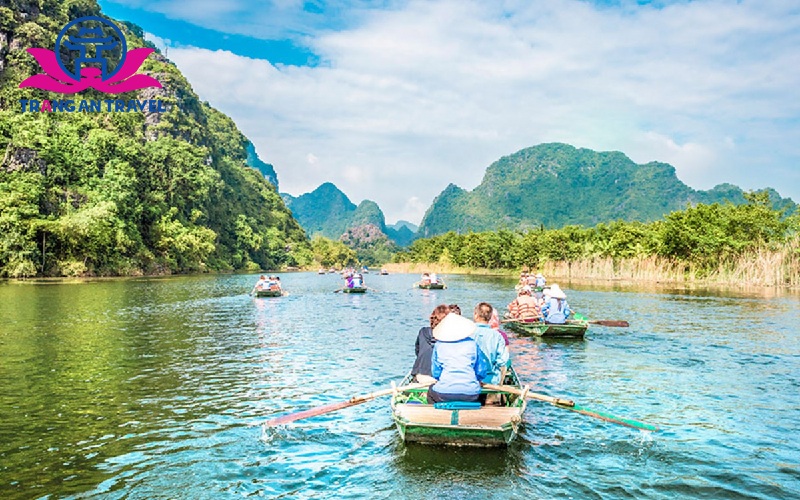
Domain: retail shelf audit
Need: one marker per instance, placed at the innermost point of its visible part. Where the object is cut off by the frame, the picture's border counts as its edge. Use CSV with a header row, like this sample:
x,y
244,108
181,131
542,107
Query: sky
x,y
393,100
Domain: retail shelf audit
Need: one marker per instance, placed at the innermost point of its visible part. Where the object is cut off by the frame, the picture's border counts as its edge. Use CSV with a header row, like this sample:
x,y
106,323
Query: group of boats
x,y
471,423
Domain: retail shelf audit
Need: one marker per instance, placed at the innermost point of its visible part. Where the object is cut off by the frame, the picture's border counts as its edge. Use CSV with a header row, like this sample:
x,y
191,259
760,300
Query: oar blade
x,y
568,404
611,418
311,412
610,322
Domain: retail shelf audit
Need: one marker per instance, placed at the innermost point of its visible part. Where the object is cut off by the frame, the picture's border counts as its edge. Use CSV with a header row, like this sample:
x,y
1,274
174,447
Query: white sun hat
x,y
556,292
453,328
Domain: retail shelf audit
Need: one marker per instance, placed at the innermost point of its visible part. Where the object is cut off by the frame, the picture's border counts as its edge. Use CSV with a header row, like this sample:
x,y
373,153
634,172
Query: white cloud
x,y
415,98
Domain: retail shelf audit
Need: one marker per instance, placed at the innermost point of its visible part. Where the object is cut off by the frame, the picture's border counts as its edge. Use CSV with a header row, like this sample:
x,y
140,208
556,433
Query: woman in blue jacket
x,y
456,362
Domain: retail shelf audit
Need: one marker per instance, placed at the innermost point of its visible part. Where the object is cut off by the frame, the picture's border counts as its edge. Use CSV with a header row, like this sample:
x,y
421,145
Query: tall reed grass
x,y
760,267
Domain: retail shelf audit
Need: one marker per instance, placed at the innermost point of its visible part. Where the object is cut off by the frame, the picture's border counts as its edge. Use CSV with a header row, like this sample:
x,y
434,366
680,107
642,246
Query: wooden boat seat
x,y
487,416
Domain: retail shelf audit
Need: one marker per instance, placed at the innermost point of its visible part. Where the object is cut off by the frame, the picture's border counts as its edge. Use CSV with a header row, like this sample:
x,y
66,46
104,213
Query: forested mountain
x,y
101,193
325,211
553,185
328,212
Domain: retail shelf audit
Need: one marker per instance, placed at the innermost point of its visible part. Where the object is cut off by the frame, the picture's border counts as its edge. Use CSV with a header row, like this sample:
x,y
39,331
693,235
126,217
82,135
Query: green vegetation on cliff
x,y
554,185
126,193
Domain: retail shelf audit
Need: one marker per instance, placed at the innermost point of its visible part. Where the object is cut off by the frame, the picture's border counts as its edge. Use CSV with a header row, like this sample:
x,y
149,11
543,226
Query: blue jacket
x,y
494,347
458,367
556,311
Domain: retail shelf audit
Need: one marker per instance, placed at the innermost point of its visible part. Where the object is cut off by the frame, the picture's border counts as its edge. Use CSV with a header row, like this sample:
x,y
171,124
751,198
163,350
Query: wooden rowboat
x,y
269,293
449,424
432,286
355,289
575,329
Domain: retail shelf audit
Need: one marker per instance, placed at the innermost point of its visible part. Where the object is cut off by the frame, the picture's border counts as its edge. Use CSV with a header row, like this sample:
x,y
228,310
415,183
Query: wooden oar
x,y
609,322
568,404
355,400
604,322
526,320
338,290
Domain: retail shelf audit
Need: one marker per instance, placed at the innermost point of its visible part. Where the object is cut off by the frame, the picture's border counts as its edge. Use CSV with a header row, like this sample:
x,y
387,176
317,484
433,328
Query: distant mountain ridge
x,y
328,212
404,223
557,184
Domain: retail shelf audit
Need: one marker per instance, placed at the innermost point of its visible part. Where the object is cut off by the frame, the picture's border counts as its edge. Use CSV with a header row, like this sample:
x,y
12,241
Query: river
x,y
158,388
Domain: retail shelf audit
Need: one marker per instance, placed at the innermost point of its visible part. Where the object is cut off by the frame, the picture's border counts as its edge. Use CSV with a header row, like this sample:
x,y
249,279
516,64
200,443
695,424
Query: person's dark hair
x,y
483,311
438,314
455,309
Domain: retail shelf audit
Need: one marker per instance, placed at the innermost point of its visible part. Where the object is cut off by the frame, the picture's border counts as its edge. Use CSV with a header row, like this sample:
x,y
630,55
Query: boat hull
x,y
268,293
574,329
489,426
432,286
355,290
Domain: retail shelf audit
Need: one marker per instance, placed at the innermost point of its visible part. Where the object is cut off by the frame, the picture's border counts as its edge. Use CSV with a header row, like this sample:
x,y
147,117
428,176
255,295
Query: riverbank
x,y
765,269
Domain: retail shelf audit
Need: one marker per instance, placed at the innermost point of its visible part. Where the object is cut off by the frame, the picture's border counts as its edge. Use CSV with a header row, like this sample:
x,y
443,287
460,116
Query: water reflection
x,y
136,388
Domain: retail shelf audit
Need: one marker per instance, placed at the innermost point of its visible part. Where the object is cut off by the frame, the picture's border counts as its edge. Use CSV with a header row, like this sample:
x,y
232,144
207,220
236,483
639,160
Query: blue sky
x,y
393,100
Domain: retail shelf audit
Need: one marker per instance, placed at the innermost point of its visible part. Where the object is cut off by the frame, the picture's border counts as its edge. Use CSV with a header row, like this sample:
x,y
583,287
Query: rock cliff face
x,y
98,193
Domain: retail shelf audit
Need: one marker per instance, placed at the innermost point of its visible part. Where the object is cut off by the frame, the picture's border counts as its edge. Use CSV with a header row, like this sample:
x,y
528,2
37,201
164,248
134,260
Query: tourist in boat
x,y
260,284
425,279
421,371
539,281
273,283
491,343
524,306
358,281
348,280
494,324
456,362
555,309
434,279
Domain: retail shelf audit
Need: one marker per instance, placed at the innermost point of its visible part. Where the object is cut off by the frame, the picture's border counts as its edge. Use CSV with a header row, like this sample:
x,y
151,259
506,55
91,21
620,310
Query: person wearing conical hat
x,y
456,362
421,371
555,308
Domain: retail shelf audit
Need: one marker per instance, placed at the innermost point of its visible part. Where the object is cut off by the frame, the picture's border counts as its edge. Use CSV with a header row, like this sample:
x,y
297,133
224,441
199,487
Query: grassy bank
x,y
766,268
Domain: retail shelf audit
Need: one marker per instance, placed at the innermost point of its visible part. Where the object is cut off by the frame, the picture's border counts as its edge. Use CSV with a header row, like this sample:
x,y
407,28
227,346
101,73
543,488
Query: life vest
x,y
524,307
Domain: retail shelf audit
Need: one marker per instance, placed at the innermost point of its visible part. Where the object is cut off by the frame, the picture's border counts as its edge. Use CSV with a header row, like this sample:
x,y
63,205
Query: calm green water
x,y
157,388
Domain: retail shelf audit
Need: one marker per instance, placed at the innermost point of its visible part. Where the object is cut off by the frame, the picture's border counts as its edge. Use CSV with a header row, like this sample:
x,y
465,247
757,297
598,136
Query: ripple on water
x,y
159,388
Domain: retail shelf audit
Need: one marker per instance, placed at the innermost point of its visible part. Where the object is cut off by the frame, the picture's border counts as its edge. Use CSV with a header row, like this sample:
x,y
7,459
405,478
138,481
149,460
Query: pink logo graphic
x,y
58,78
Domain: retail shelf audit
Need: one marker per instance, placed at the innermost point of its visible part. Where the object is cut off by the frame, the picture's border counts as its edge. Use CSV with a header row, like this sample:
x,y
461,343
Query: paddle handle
x,y
331,407
530,395
385,392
